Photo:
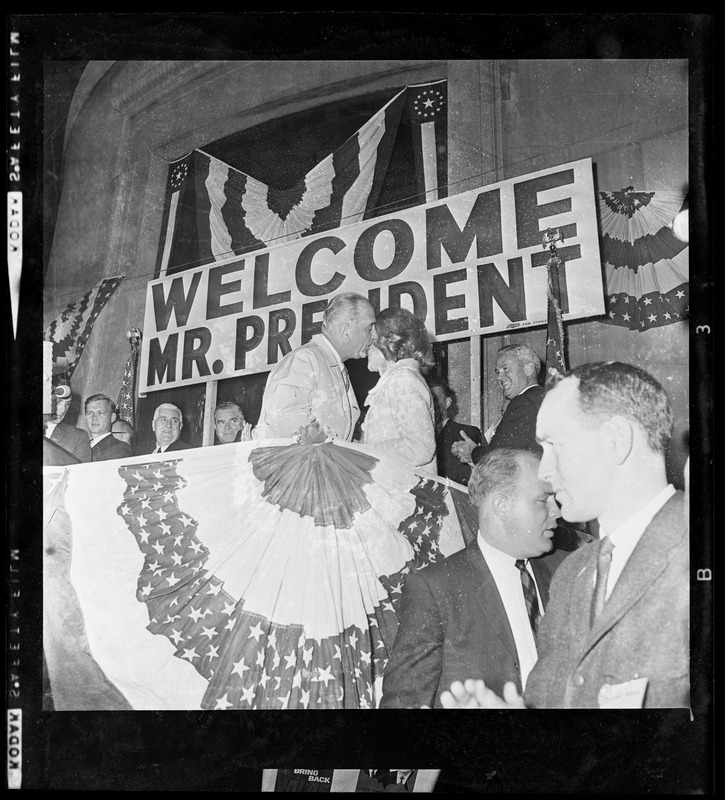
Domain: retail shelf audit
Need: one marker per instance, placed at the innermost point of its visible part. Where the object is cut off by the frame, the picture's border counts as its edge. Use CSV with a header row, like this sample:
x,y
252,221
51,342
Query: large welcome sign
x,y
471,264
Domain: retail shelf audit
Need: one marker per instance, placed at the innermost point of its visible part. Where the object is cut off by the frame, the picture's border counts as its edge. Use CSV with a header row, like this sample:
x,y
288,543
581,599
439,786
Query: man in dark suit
x,y
448,432
475,612
167,423
230,425
100,413
616,633
72,440
517,370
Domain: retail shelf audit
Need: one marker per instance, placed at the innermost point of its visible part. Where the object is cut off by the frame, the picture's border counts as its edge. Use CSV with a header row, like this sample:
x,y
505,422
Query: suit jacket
x,y
450,466
453,626
72,439
517,428
308,382
110,447
55,456
643,630
179,444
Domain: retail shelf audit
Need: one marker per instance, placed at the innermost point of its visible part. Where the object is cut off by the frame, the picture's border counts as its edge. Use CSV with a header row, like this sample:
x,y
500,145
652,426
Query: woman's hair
x,y
400,335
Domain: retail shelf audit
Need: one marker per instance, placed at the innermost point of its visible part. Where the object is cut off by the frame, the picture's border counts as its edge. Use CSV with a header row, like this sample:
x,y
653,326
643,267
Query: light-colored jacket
x,y
400,419
308,383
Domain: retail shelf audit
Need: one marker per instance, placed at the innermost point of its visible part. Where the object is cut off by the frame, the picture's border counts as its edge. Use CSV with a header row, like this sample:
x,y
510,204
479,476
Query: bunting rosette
x,y
646,266
257,575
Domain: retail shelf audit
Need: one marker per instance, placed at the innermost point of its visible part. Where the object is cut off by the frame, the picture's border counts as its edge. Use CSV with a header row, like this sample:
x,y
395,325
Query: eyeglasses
x,y
173,421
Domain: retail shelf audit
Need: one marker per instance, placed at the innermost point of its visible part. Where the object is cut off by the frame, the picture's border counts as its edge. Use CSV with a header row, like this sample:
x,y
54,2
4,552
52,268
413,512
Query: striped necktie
x,y
532,601
604,561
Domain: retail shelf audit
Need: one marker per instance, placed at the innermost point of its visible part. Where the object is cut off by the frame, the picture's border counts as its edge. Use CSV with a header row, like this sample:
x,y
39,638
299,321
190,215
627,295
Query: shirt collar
x,y
626,535
495,557
330,346
96,439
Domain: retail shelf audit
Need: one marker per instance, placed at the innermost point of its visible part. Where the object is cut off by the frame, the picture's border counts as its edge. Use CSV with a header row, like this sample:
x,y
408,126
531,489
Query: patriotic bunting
x,y
126,397
428,110
70,330
236,213
214,580
646,265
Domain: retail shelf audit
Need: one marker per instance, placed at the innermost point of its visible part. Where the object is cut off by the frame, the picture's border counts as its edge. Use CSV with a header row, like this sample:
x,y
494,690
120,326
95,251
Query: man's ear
x,y
114,417
344,331
620,437
500,505
528,370
449,402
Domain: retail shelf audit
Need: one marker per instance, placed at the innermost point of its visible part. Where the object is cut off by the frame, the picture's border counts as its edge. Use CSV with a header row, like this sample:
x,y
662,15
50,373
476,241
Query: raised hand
x,y
475,694
462,450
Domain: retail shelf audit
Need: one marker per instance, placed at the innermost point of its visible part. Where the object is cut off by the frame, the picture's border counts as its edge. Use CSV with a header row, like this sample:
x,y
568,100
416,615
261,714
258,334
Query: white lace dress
x,y
400,418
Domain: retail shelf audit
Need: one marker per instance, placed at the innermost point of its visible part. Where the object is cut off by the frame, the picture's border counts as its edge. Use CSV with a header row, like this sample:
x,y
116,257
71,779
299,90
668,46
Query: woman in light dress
x,y
400,417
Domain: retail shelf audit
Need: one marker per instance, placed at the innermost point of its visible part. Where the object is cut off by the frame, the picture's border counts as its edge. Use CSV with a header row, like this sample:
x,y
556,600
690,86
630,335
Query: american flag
x,y
249,660
428,111
70,330
555,353
125,402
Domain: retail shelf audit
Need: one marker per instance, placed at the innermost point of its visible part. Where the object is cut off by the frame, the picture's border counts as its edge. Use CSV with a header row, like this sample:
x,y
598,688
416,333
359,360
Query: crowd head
x,y
100,414
517,366
167,424
400,334
348,321
228,421
123,430
603,427
516,509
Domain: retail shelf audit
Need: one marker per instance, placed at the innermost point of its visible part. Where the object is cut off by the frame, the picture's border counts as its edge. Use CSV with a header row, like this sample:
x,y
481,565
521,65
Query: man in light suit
x,y
100,414
468,616
616,633
311,382
167,423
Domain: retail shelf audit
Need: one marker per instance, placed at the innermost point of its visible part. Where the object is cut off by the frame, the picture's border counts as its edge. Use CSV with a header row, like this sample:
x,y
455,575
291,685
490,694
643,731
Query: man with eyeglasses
x,y
167,424
100,414
123,430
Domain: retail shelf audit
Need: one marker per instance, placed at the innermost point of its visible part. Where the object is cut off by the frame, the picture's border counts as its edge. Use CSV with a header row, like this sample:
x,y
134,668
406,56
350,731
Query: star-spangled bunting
x,y
70,330
646,265
248,660
125,402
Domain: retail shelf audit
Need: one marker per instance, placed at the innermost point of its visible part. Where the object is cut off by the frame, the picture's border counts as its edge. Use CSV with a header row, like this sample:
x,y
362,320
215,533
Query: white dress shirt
x,y
626,536
508,582
97,439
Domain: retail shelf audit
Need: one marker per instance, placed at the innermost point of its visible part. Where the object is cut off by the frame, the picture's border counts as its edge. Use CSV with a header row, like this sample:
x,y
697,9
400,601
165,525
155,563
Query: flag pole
x,y
555,345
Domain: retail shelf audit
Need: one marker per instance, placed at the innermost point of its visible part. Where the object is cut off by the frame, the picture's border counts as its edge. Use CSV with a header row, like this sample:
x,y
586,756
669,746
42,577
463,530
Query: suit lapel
x,y
489,599
337,380
647,562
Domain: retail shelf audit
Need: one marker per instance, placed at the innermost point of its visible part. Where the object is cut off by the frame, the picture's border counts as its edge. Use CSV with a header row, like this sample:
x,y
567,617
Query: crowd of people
x,y
516,619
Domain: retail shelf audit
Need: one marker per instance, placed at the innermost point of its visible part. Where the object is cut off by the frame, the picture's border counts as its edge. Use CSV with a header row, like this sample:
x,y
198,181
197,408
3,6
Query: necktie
x,y
345,377
604,560
532,601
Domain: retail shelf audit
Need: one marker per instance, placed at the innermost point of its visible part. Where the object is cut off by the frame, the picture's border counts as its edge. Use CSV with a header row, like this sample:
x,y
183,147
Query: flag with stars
x,y
428,110
555,353
126,397
646,265
258,575
233,212
70,330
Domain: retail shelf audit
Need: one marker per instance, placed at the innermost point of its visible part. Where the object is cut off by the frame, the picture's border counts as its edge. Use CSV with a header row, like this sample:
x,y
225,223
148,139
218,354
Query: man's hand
x,y
246,432
462,450
475,694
